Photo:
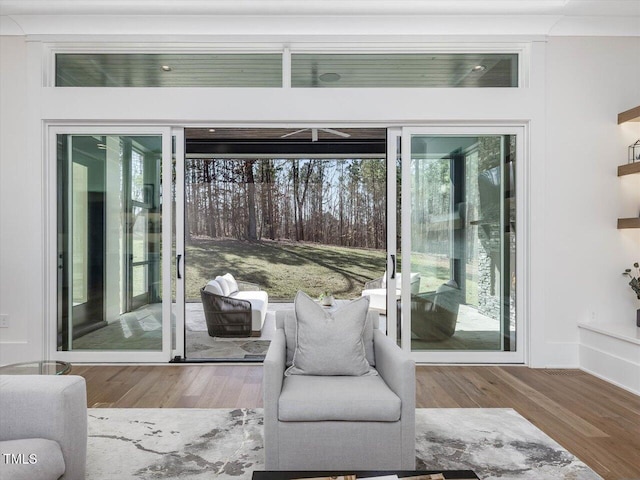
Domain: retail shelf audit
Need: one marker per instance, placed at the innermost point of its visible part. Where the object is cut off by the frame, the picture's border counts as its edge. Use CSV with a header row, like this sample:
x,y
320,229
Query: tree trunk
x,y
252,233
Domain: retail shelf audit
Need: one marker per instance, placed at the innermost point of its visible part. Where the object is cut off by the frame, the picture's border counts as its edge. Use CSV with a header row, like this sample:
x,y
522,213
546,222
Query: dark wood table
x,y
290,475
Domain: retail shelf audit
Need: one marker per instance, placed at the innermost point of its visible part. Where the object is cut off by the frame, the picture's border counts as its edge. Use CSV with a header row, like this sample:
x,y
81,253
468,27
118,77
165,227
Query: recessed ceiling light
x,y
165,68
329,77
479,68
212,130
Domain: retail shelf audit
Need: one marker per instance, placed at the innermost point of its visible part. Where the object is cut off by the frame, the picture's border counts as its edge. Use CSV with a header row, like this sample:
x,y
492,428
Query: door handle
x,y
393,266
178,258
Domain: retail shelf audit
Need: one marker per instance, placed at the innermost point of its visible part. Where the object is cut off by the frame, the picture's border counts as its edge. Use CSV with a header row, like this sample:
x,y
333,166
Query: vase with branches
x,y
634,283
327,299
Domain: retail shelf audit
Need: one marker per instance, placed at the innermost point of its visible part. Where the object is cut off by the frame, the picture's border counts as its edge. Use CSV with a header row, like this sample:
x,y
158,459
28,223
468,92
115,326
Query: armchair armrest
x,y
226,316
50,407
426,298
273,377
377,283
221,303
273,367
396,368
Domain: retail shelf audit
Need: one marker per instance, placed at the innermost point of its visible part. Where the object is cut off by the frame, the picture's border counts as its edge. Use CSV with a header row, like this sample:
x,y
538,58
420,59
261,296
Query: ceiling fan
x,y
314,133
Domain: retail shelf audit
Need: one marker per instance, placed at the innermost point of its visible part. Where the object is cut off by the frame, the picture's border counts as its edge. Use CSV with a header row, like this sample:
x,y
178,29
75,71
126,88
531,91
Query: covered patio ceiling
x,y
285,142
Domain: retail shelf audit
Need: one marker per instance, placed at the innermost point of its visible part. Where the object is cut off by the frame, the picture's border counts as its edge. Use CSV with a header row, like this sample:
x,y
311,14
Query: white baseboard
x,y
611,352
623,373
612,382
556,355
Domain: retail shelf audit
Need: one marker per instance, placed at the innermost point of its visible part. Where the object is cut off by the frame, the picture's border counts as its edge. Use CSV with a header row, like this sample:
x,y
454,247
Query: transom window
x,y
299,70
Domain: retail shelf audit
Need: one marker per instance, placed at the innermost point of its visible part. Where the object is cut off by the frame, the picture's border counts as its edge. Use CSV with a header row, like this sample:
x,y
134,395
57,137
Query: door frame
x,y
174,315
520,356
178,208
51,256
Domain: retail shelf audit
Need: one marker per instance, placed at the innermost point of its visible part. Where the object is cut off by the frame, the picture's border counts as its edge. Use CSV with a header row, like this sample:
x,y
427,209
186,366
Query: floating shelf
x,y
629,169
632,115
628,223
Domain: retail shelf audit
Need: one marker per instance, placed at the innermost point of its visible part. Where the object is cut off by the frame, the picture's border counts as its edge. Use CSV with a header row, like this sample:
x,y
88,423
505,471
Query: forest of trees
x,y
330,201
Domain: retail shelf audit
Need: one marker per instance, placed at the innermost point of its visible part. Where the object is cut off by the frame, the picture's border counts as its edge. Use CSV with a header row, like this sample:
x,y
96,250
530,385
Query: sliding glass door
x,y
112,236
459,224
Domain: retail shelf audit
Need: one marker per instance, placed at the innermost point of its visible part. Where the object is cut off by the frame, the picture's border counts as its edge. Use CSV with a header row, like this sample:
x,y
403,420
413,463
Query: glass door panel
x,y
459,225
283,223
110,243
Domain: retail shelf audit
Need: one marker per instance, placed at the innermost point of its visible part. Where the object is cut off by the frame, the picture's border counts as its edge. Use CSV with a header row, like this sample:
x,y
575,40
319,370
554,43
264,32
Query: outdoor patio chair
x,y
225,316
232,308
376,290
434,315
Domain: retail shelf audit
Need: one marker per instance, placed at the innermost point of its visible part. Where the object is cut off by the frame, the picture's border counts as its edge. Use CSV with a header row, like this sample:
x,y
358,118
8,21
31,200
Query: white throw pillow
x,y
233,285
224,285
213,287
330,343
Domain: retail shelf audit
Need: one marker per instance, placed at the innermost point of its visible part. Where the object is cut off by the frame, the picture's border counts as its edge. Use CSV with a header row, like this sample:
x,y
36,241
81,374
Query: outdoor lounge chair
x,y
233,309
376,290
434,314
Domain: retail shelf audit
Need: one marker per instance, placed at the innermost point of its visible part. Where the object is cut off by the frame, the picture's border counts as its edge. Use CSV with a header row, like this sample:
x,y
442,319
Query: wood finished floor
x,y
596,421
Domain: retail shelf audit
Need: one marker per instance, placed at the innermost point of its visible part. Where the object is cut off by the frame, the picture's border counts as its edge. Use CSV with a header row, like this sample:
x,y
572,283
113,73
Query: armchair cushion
x,y
330,343
339,398
286,320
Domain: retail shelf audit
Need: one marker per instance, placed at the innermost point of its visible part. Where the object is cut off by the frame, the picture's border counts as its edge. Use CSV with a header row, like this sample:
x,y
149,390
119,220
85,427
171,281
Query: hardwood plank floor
x,y
596,421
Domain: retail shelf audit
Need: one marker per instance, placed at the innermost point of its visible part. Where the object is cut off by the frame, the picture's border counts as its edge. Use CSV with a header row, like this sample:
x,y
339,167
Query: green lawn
x,y
283,268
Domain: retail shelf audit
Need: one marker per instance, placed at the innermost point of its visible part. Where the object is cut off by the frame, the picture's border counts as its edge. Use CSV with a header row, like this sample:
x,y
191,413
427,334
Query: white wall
x,y
577,253
21,257
589,81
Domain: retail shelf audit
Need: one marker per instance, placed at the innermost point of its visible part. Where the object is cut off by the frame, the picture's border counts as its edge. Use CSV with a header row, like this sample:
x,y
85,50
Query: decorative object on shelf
x,y
635,285
634,152
327,299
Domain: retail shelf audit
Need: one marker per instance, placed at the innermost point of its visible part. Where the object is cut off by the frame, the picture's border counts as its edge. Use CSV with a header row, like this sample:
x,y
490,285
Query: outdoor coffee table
x,y
290,475
43,367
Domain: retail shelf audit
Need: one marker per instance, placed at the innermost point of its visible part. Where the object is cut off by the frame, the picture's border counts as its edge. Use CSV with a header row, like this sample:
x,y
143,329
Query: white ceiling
x,y
244,20
324,7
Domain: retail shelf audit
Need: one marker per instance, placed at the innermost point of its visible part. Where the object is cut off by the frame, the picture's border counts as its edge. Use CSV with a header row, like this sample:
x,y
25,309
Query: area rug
x,y
199,444
201,345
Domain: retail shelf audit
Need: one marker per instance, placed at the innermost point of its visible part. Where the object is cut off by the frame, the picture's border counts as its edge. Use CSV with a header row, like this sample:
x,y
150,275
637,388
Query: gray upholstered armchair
x,y
43,423
339,422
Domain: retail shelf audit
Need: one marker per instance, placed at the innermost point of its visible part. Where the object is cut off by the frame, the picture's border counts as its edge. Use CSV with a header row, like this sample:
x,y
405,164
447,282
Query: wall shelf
x,y
623,331
629,169
628,223
632,115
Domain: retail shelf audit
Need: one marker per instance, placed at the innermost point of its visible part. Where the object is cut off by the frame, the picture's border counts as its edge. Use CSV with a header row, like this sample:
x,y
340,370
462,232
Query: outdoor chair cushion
x,y
213,287
224,284
41,459
233,284
259,300
307,398
330,343
449,302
